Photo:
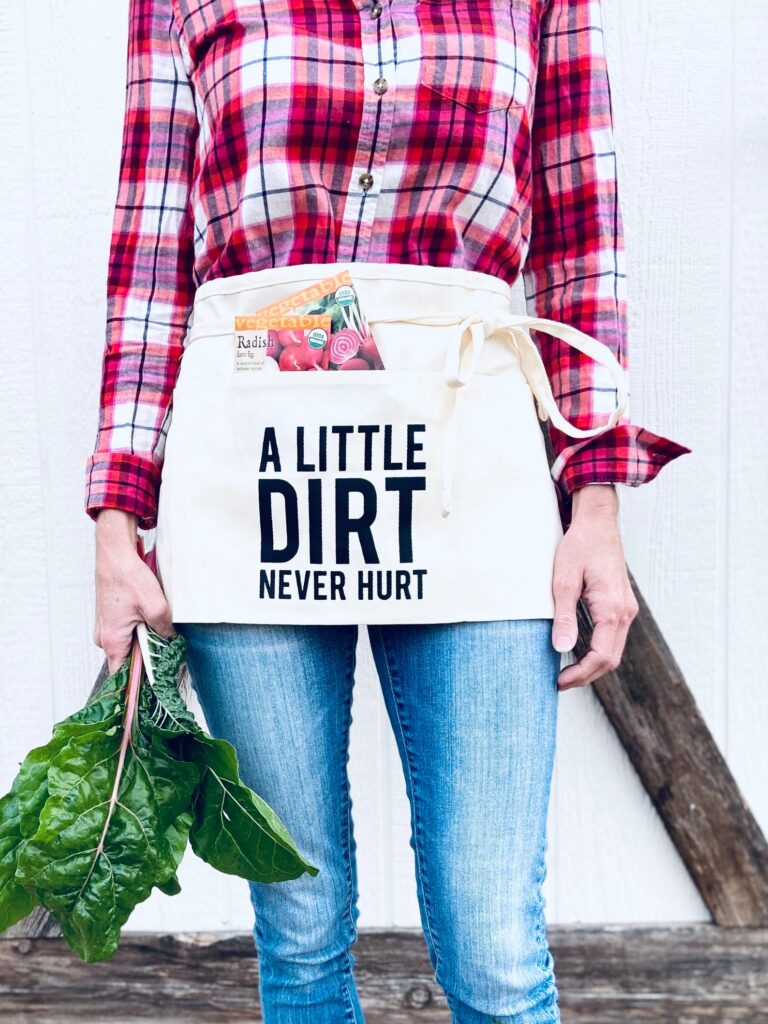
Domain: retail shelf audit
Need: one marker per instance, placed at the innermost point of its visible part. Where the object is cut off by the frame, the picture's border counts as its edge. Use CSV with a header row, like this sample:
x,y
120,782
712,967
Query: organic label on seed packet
x,y
281,342
350,345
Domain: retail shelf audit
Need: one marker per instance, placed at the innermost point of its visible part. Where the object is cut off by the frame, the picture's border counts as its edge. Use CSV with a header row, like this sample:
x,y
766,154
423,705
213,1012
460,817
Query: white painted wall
x,y
689,87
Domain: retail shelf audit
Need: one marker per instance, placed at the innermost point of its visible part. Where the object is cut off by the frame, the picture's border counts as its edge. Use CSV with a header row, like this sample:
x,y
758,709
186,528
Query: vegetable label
x,y
321,327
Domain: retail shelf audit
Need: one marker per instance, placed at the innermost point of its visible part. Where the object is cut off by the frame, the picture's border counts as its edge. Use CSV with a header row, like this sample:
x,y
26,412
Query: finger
x,y
631,610
621,638
566,590
116,655
156,612
588,668
597,660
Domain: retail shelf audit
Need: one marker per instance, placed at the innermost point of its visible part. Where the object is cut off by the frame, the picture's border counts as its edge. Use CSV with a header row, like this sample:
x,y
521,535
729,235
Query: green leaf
x,y
33,773
103,704
165,711
235,830
94,858
15,901
177,837
102,813
171,887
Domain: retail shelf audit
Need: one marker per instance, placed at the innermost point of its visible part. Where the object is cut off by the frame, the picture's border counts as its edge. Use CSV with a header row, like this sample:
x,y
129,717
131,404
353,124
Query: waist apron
x,y
420,492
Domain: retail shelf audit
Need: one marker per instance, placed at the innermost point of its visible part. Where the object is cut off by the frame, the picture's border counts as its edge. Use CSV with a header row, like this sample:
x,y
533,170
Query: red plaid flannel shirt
x,y
466,133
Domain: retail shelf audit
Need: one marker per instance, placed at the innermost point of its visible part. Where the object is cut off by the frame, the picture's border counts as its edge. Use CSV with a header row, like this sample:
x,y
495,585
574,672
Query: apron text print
x,y
292,512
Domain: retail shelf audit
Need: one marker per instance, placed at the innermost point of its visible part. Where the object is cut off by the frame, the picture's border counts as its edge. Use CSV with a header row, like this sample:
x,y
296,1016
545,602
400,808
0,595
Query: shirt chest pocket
x,y
476,53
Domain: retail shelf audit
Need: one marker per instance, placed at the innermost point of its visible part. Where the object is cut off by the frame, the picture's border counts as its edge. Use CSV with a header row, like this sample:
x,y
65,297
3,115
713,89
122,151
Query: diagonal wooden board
x,y
662,730
659,724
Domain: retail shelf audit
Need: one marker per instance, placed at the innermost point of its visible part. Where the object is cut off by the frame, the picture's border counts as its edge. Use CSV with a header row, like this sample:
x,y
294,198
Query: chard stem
x,y
131,708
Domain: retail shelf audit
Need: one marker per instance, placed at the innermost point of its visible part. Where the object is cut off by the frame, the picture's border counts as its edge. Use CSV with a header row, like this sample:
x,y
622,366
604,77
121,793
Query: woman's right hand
x,y
127,590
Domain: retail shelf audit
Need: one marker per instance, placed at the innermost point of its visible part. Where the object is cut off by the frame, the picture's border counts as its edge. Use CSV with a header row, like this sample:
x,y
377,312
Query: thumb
x,y
565,627
156,613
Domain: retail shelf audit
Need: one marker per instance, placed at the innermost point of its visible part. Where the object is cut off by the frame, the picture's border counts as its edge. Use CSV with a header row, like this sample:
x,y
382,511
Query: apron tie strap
x,y
479,326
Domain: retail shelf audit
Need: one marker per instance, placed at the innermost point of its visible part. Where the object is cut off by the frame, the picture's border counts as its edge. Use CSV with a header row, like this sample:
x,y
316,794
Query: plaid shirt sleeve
x,y
150,272
575,270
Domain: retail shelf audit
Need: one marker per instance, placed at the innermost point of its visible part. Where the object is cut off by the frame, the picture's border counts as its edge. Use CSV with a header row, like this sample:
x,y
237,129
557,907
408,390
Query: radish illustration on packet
x,y
320,327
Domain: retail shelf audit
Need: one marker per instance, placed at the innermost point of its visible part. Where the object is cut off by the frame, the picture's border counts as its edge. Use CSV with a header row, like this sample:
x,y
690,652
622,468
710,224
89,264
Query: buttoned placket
x,y
377,119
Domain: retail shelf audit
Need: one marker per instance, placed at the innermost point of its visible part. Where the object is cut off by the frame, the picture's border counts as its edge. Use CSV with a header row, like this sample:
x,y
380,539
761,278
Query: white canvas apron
x,y
416,493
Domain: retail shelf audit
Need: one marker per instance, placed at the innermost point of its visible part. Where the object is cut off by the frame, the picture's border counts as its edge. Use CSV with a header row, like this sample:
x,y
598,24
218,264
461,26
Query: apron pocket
x,y
314,496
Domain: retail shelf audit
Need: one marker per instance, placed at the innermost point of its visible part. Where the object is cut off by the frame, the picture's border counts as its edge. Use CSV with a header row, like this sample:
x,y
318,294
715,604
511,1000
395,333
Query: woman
x,y
463,142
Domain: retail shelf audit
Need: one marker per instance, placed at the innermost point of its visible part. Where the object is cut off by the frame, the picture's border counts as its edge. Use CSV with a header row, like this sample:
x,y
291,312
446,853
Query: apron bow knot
x,y
480,324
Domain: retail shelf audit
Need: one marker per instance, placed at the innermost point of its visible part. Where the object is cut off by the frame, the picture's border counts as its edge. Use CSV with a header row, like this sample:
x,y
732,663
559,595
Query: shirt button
x,y
366,180
376,10
380,85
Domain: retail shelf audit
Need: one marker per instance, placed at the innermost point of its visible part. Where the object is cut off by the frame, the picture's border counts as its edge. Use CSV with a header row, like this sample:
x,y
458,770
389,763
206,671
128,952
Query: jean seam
x,y
548,983
540,905
347,974
413,777
347,839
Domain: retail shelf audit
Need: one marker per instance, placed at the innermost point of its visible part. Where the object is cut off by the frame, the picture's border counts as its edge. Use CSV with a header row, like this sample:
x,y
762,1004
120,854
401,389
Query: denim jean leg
x,y
282,695
474,707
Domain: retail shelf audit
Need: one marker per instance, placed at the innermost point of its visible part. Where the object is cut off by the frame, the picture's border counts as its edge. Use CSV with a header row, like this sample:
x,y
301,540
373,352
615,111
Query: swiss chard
x,y
103,813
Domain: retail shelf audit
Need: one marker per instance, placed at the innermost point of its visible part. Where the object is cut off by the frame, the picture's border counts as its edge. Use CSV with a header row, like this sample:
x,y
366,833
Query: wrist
x,y
596,500
116,525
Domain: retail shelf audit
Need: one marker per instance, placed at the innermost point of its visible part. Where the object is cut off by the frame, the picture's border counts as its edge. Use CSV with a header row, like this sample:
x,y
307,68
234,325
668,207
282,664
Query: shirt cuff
x,y
123,480
626,454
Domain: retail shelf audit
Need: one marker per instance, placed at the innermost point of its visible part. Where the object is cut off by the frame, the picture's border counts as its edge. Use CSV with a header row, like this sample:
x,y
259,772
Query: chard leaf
x,y
20,809
234,829
15,901
177,837
101,844
93,859
33,773
103,704
102,813
173,784
102,712
170,888
165,710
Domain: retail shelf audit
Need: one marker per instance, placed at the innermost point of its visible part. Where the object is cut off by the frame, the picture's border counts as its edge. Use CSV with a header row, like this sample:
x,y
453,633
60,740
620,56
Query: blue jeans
x,y
473,706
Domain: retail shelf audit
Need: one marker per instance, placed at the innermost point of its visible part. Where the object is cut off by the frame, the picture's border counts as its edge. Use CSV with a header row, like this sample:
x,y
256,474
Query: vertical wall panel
x,y
26,702
745,473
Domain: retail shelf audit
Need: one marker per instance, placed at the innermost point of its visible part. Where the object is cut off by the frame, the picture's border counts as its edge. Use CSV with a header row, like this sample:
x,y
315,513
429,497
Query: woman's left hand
x,y
590,563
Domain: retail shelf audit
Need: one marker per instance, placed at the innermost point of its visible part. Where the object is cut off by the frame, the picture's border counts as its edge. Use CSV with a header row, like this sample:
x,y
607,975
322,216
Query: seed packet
x,y
330,306
282,342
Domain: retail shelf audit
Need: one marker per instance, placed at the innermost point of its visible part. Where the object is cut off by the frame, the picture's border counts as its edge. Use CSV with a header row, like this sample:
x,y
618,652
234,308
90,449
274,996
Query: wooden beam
x,y
660,726
662,729
689,975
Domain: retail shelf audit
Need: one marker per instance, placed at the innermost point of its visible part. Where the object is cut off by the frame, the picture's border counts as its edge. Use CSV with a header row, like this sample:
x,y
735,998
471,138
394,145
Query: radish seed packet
x,y
321,327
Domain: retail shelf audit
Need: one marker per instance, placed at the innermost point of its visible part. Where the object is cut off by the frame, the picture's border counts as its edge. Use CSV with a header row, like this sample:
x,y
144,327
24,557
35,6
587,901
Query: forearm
x,y
150,276
575,269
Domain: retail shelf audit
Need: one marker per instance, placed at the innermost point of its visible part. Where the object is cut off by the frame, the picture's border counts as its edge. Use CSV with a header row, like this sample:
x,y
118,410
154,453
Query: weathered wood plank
x,y
687,975
657,720
662,729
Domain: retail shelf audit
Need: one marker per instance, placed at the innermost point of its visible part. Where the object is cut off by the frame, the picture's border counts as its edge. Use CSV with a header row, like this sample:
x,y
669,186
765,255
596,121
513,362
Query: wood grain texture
x,y
681,767
685,975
